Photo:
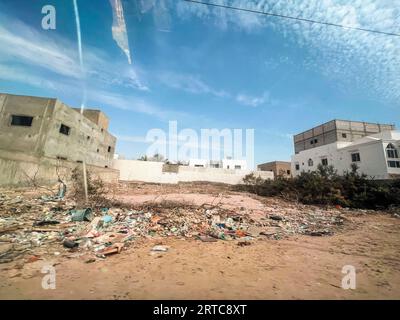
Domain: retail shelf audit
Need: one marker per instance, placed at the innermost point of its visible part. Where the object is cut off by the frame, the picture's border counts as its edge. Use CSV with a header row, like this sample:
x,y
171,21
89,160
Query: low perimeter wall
x,y
149,171
45,171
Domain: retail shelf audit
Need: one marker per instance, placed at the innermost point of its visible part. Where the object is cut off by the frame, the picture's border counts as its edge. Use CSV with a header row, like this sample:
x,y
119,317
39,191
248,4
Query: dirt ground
x,y
299,267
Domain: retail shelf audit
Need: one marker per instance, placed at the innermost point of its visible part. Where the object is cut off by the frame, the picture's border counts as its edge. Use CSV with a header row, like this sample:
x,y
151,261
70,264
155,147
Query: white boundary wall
x,y
149,171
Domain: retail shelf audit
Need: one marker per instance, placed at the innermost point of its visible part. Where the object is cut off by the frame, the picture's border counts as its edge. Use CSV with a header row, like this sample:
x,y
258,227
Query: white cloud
x,y
255,101
252,101
23,45
126,102
135,139
355,59
189,83
18,74
281,135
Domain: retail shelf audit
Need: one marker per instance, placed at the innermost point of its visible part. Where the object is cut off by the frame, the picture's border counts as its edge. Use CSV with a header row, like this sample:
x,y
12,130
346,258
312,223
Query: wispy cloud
x,y
276,133
126,102
32,58
189,83
134,139
253,101
18,74
23,45
350,58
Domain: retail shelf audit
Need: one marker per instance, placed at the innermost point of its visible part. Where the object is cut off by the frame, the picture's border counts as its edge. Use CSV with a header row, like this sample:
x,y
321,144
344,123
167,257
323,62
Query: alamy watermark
x,y
208,144
349,280
49,280
49,20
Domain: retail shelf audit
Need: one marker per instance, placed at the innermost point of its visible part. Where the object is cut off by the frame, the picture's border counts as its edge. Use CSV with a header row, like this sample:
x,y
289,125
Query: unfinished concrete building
x,y
38,129
336,131
279,168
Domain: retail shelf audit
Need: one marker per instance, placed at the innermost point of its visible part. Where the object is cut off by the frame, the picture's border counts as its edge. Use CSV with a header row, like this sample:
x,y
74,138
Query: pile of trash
x,y
56,224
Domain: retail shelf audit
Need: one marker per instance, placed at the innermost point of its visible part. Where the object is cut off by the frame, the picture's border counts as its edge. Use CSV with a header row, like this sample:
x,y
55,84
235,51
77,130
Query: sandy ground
x,y
301,267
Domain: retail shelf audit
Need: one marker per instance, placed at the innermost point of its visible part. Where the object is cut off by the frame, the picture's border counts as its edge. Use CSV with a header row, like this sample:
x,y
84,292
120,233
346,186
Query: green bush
x,y
326,187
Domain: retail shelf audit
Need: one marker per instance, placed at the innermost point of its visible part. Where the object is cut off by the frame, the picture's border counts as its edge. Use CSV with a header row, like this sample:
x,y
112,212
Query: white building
x,y
376,155
232,164
198,163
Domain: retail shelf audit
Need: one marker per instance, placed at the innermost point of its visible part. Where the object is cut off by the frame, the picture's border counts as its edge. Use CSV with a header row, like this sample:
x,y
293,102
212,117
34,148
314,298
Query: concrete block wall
x,y
149,171
17,173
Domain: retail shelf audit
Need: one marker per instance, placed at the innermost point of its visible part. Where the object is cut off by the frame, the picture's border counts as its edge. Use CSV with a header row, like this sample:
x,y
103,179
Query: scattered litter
x,y
243,243
82,215
107,219
207,239
160,248
51,223
70,244
32,259
111,250
45,223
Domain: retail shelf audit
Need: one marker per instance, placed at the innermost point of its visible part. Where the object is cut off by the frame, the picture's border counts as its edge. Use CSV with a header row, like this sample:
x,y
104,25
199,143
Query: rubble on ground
x,y
35,226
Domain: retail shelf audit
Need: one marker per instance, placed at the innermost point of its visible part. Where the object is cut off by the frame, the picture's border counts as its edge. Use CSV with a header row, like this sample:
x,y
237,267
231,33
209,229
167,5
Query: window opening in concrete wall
x,y
24,121
65,129
391,151
393,164
355,157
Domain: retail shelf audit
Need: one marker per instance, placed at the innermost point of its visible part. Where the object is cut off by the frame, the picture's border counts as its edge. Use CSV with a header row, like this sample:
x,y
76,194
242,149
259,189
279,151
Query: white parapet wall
x,y
149,171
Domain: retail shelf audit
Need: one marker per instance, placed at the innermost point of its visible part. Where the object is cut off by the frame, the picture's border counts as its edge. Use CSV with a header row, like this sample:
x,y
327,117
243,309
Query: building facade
x,y
336,131
279,168
230,164
376,154
37,127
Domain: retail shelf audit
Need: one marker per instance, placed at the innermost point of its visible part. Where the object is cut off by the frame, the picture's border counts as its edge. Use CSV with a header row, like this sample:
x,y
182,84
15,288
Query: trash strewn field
x,y
35,228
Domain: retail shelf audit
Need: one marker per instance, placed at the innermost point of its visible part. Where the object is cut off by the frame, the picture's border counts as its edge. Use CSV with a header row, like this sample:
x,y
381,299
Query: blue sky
x,y
209,67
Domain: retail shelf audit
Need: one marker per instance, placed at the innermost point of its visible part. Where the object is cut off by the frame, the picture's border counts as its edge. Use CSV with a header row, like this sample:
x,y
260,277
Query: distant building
x,y
231,164
279,168
374,148
234,164
336,131
198,163
36,127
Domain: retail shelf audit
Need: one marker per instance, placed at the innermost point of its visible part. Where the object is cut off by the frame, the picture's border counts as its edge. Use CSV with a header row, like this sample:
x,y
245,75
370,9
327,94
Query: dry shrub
x,y
326,187
96,188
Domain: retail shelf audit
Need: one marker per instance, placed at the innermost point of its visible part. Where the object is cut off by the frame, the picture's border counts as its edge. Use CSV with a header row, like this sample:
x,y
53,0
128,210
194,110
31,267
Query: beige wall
x,y
86,140
149,171
29,140
277,167
18,173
